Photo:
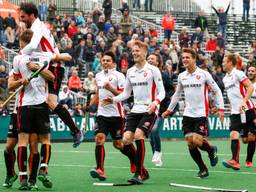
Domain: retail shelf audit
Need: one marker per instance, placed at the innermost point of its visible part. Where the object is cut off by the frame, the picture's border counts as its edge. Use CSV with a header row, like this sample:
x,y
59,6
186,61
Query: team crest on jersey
x,y
118,133
145,74
201,127
198,77
110,78
147,124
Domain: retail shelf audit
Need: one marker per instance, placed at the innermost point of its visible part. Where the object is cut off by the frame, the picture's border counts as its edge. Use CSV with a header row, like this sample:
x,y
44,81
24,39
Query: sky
x,y
238,5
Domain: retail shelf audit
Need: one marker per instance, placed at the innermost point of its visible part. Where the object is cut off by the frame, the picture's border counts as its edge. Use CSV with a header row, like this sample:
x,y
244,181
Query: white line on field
x,y
157,169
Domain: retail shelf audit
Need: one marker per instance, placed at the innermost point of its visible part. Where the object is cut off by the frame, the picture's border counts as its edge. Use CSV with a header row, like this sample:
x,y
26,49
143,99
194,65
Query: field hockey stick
x,y
206,188
113,184
22,86
86,114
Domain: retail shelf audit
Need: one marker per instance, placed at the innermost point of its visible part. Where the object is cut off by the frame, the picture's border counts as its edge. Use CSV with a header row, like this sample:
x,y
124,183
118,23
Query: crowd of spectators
x,y
85,36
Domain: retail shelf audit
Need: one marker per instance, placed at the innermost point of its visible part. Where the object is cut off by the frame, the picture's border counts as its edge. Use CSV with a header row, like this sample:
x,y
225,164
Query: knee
x,y
100,139
9,148
251,137
33,147
118,144
139,134
245,140
234,135
127,139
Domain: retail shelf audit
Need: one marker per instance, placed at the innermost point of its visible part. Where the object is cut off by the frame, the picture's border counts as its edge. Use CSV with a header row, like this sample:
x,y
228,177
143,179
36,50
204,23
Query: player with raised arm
x,y
146,83
195,82
239,90
43,41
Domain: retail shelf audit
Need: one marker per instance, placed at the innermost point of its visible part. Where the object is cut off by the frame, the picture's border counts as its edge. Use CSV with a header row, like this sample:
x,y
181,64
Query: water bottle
x,y
243,116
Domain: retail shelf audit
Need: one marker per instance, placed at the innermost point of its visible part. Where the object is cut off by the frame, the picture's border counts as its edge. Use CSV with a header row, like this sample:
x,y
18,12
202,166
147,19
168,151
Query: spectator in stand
x,y
74,82
77,36
10,36
221,41
78,112
101,24
101,47
211,44
80,56
42,10
96,13
68,64
200,59
217,57
65,98
2,36
173,53
57,23
79,19
100,37
252,48
3,82
123,63
92,26
90,53
218,76
246,10
52,8
96,65
201,21
153,45
139,30
72,29
124,5
107,5
111,36
89,84
2,56
84,28
197,37
126,24
107,26
222,19
152,32
10,22
184,38
168,24
64,41
136,4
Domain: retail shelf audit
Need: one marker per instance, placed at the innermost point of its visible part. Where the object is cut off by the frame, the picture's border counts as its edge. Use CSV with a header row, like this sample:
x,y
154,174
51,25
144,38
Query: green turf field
x,y
69,169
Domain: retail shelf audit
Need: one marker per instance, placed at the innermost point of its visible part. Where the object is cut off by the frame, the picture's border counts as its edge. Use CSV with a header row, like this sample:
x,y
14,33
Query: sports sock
x,y
235,148
250,150
34,159
140,156
9,162
22,162
130,152
66,118
206,147
45,157
100,156
196,156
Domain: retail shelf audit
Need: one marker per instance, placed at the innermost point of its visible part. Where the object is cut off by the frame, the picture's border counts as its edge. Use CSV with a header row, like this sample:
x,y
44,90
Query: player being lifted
x,y
194,82
43,41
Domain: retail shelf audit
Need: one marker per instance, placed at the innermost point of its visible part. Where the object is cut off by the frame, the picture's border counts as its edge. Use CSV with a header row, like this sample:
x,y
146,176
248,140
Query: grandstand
x,y
240,34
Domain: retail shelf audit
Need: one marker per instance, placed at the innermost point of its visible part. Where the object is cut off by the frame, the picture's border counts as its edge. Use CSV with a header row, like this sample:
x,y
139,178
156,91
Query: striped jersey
x,y
233,82
147,86
35,92
116,80
196,86
42,39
